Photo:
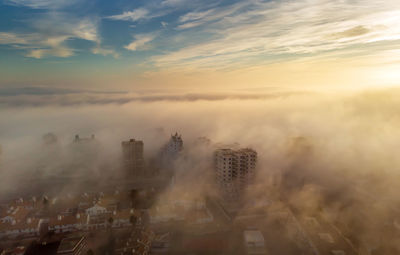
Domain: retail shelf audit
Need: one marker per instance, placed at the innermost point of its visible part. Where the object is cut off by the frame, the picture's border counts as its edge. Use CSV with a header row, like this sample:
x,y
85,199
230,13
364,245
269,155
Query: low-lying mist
x,y
336,152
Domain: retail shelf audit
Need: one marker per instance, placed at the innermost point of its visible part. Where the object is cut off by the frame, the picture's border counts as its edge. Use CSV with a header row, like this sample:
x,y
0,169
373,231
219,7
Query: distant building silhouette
x,y
235,170
85,139
133,159
49,138
173,147
85,153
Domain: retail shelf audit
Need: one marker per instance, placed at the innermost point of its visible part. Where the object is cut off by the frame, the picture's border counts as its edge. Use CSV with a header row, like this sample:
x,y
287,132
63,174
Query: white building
x,y
235,170
96,210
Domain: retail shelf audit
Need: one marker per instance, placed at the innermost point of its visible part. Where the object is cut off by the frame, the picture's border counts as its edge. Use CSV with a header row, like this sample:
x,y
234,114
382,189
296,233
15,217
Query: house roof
x,y
97,207
63,220
70,244
19,225
125,214
18,214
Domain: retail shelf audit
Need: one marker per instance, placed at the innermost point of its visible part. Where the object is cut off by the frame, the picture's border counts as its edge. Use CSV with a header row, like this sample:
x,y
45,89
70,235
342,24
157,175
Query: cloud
x,y
41,4
198,18
105,51
11,38
42,96
41,91
51,32
173,2
61,52
150,11
140,42
255,29
195,15
37,45
135,15
50,36
352,32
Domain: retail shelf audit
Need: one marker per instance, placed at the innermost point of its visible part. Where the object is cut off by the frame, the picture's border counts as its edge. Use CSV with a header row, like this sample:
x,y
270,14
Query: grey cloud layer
x,y
25,97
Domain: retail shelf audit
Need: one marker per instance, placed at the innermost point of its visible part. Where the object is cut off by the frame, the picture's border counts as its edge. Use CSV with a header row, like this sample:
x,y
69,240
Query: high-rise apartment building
x,y
235,170
132,152
174,146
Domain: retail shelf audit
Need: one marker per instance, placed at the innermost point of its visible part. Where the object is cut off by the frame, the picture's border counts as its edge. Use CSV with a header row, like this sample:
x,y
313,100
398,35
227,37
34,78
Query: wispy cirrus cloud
x,y
255,28
134,15
156,9
197,18
99,50
41,4
51,32
207,34
37,46
140,42
50,36
174,2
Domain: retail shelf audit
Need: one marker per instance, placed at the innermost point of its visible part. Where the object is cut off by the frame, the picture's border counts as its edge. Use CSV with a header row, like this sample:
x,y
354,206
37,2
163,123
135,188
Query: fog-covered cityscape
x,y
199,127
159,191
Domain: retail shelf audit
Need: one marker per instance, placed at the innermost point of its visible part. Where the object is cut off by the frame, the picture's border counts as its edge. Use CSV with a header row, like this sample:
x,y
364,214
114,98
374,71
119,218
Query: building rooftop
x,y
70,244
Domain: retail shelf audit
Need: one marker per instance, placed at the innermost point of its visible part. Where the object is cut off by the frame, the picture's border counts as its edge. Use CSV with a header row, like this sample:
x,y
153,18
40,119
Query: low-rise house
x,y
110,202
19,229
15,215
69,223
96,210
123,218
94,222
25,203
17,222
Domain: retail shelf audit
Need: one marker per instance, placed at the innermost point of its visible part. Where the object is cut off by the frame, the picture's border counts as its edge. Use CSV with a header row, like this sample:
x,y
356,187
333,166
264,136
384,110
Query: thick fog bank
x,y
337,152
354,135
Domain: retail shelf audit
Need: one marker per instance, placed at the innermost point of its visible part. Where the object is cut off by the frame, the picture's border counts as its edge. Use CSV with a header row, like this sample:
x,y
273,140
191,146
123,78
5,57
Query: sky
x,y
199,45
